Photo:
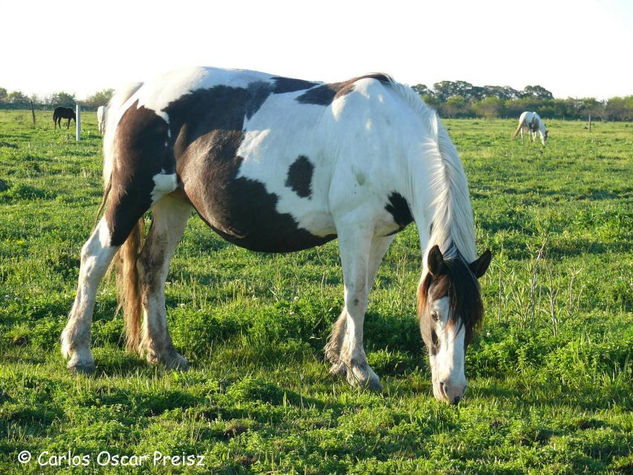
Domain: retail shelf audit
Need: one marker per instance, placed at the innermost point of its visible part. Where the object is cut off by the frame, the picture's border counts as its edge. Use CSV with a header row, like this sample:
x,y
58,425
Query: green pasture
x,y
550,375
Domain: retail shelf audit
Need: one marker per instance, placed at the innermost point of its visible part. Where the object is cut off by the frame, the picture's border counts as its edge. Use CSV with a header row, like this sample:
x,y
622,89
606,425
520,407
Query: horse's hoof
x,y
374,385
363,376
176,362
338,369
81,368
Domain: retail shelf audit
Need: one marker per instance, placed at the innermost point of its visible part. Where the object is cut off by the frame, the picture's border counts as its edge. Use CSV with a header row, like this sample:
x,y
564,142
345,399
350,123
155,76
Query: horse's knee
x,y
356,300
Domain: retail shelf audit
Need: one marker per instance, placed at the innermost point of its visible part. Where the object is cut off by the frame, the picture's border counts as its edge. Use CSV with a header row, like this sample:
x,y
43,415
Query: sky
x,y
578,48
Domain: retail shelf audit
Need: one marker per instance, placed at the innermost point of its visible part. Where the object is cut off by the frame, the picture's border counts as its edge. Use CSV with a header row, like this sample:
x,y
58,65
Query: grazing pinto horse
x,y
101,118
532,123
63,113
278,165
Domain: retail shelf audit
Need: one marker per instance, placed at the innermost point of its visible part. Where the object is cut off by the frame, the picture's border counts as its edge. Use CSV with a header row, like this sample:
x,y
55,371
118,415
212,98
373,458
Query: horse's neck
x,y
441,205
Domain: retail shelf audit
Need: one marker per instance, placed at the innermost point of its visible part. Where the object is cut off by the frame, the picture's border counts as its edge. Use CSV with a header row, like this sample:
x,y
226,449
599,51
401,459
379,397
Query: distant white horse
x,y
531,122
101,118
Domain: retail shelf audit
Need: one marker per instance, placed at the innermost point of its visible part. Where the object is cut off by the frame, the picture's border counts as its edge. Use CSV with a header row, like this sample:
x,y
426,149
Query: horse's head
x,y
449,309
544,136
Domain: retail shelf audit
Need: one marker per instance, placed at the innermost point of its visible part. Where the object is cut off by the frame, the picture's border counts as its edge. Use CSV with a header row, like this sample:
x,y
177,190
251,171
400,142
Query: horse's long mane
x,y
453,226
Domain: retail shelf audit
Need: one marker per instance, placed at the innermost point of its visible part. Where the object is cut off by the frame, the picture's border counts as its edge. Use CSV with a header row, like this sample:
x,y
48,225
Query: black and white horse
x,y
63,113
531,122
278,165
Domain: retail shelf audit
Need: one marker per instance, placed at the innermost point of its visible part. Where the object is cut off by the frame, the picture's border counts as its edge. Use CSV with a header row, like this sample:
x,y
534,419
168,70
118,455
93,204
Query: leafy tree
x,y
99,98
18,98
489,107
432,101
590,106
619,108
446,89
500,92
537,91
62,98
4,96
456,106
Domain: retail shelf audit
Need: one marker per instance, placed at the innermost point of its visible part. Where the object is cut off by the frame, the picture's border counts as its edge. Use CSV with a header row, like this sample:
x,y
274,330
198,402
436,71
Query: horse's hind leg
x,y
169,217
96,255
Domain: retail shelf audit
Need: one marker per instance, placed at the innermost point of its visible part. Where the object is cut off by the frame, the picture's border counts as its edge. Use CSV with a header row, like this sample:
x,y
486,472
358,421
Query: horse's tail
x,y
127,277
521,123
128,286
116,102
115,110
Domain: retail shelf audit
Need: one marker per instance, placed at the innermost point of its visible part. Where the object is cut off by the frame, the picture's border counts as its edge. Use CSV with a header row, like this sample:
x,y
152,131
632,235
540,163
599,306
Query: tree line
x,y
462,99
19,100
449,98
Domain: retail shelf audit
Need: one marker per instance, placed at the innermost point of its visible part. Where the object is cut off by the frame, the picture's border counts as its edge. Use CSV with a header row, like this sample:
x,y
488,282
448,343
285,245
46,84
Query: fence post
x,y
33,112
589,121
78,122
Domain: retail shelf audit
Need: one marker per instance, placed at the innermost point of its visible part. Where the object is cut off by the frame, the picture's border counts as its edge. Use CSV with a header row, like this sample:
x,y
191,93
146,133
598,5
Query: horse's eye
x,y
435,316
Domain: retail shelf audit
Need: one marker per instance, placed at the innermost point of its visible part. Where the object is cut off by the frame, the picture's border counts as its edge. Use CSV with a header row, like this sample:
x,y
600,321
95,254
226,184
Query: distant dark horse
x,y
63,113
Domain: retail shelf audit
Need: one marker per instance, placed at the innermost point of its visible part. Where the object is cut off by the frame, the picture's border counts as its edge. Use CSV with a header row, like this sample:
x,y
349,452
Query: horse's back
x,y
254,153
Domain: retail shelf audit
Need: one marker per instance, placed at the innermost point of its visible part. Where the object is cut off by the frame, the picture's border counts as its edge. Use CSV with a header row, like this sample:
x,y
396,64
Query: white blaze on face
x,y
447,365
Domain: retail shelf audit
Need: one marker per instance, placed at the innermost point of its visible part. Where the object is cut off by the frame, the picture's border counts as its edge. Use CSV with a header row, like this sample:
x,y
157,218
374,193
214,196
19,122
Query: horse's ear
x,y
480,266
435,261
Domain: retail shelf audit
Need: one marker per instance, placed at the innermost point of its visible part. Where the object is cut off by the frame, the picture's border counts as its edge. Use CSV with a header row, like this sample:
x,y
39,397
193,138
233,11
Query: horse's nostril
x,y
457,399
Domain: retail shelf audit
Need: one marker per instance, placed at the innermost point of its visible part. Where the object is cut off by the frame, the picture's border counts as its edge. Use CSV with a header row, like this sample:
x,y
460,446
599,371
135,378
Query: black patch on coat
x,y
140,154
218,108
206,127
299,177
325,94
399,209
283,85
258,92
322,95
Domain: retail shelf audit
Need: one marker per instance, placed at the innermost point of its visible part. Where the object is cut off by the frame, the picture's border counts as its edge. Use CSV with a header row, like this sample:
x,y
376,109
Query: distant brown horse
x,y
63,113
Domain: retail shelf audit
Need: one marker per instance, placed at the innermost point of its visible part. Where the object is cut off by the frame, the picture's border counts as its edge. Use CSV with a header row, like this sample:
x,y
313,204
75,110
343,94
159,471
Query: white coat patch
x,y
164,183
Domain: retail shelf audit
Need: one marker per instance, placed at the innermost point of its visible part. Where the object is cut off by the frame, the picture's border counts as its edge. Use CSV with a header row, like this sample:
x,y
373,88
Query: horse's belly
x,y
248,213
256,224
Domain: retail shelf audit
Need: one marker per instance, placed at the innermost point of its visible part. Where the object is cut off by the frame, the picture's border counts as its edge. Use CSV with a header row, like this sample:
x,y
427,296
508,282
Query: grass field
x,y
550,376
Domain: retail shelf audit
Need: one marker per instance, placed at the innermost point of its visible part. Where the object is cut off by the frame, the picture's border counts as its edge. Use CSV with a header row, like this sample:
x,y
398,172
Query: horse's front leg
x,y
345,348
